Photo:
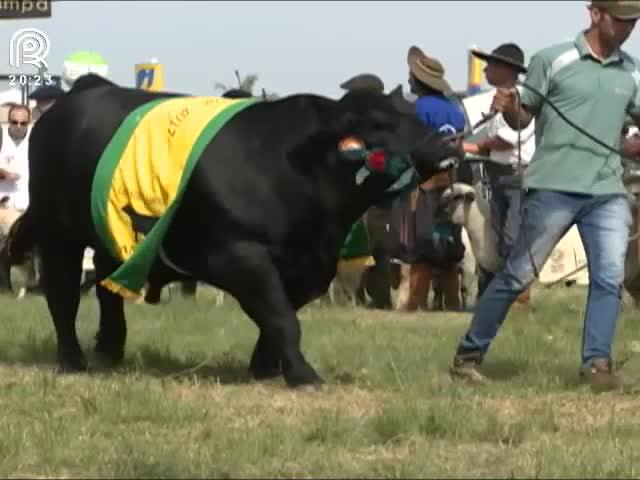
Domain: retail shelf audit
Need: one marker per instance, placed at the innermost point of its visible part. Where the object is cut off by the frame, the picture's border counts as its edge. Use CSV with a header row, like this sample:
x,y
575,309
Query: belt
x,y
496,171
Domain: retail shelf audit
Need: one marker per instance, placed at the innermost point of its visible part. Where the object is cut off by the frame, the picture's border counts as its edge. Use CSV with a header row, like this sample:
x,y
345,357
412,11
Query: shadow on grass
x,y
224,368
505,369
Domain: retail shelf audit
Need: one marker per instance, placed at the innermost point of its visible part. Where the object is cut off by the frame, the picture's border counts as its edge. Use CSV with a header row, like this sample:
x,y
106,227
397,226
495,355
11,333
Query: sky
x,y
294,47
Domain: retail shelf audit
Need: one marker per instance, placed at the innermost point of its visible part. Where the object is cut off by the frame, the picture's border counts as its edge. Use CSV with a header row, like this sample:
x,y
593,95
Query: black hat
x,y
47,92
364,81
237,93
507,53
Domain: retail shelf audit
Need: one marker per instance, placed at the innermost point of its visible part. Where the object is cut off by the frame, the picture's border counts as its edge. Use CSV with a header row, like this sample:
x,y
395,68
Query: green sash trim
x,y
131,276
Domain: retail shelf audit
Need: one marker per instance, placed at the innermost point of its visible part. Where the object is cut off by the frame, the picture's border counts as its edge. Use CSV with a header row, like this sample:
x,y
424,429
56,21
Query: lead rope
x,y
623,159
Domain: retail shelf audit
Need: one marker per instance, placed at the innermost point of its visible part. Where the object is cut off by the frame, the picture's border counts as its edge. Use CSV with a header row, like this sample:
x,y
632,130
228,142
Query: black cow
x,y
263,216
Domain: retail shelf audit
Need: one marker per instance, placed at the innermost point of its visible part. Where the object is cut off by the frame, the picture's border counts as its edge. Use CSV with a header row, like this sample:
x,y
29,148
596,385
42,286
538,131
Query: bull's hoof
x,y
313,388
72,365
153,296
261,374
306,377
107,358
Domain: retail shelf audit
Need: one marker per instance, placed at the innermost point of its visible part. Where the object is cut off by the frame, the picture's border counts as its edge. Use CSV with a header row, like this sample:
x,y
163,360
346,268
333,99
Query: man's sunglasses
x,y
16,122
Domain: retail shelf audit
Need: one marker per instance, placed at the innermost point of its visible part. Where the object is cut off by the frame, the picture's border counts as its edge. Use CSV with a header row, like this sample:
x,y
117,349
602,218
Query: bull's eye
x,y
376,160
352,148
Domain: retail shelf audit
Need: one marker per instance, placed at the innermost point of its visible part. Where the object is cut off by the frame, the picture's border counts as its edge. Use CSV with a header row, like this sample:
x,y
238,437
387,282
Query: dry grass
x,y
391,409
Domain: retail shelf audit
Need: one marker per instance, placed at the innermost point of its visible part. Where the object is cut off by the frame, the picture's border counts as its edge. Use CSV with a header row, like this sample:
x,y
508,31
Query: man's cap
x,y
47,92
428,70
620,9
364,81
507,53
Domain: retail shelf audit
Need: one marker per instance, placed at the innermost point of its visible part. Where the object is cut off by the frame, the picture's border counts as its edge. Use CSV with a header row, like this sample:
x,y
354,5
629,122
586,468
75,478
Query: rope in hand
x,y
624,158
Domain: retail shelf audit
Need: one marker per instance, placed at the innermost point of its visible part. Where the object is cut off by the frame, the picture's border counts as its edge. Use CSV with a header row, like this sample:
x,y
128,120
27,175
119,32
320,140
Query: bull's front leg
x,y
256,284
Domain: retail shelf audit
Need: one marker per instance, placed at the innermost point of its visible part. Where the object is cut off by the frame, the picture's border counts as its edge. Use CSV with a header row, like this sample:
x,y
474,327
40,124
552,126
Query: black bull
x,y
263,216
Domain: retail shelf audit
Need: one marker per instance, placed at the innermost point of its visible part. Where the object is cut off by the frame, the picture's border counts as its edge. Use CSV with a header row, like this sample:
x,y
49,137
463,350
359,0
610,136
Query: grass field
x,y
391,409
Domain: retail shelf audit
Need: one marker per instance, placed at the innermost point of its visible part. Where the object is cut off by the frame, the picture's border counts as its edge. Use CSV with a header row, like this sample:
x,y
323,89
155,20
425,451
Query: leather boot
x,y
524,297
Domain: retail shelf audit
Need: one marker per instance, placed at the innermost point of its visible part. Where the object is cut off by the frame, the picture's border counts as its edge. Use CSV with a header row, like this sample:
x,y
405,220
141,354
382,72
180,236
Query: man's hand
x,y
505,101
7,175
631,146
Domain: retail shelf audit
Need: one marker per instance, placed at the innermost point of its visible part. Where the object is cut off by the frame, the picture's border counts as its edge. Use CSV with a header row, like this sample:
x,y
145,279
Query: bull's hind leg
x,y
61,274
256,284
112,332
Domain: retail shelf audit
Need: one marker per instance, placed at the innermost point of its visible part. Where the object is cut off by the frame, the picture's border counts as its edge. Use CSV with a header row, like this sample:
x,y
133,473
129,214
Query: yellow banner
x,y
150,168
475,74
150,76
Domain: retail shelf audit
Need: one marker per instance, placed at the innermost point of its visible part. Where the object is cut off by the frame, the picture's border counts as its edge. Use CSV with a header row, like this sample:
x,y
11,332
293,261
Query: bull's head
x,y
389,129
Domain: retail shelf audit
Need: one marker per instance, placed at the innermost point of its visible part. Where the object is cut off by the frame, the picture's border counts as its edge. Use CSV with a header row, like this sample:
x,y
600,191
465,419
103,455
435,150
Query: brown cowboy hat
x,y
507,53
428,70
620,9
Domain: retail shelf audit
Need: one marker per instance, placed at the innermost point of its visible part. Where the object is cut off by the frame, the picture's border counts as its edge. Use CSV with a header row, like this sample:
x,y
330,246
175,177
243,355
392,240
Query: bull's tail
x,y
20,239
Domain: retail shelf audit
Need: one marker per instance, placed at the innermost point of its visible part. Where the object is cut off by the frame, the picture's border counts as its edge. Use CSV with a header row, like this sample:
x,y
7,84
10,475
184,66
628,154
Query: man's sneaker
x,y
465,366
599,373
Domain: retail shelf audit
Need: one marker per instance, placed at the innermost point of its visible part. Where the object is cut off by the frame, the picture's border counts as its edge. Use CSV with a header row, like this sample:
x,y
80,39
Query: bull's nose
x,y
448,163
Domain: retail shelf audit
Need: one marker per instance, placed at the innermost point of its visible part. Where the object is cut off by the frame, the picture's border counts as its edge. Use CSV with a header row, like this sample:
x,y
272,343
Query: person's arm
x,y
631,144
500,137
515,116
486,145
506,100
495,144
8,175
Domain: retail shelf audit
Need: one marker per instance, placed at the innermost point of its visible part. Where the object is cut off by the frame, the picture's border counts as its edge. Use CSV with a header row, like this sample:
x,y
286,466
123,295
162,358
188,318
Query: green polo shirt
x,y
594,95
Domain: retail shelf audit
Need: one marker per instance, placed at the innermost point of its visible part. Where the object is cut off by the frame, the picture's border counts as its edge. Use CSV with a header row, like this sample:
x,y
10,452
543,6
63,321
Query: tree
x,y
246,83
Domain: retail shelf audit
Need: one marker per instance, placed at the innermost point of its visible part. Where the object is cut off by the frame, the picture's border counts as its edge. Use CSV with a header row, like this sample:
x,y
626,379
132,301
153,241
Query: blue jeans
x,y
505,209
603,223
505,221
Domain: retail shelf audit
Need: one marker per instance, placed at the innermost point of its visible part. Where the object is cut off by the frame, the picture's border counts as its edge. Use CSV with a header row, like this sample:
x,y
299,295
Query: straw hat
x,y
428,70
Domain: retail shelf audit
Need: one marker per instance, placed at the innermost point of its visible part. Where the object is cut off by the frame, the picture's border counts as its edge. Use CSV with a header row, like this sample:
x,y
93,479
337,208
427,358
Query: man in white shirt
x,y
14,159
500,143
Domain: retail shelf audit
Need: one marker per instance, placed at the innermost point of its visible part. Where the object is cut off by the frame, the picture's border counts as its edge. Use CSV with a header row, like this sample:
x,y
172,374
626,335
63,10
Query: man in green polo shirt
x,y
571,180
